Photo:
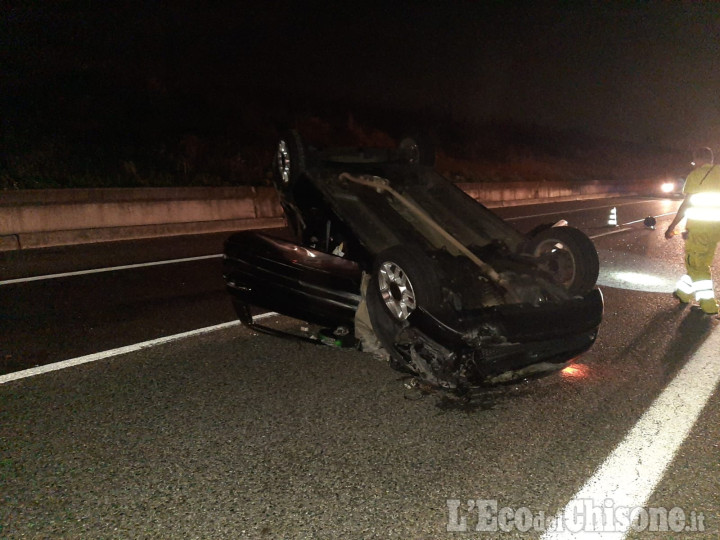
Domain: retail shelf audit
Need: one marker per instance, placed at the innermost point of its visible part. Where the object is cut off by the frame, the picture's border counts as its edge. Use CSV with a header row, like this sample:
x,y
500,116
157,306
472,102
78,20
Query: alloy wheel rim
x,y
396,290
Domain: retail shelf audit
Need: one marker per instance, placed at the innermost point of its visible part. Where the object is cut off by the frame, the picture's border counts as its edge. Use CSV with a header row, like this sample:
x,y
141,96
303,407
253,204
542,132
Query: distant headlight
x,y
668,187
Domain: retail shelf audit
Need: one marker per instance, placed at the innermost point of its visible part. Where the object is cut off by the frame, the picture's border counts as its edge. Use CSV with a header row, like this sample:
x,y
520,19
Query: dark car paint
x,y
301,282
325,289
467,337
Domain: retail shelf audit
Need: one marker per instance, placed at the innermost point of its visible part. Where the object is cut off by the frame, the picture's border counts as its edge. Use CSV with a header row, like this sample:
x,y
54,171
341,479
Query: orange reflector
x,y
575,371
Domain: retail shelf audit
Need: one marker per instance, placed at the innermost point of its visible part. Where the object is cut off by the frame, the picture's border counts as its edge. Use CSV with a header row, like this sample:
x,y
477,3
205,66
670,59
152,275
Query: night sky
x,y
636,71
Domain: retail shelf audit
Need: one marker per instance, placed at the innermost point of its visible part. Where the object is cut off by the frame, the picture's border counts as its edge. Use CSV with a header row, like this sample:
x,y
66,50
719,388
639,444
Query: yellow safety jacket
x,y
703,187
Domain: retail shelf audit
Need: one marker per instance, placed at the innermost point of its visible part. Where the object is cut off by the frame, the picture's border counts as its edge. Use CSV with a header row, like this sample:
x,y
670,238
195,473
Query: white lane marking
x,y
108,269
577,210
632,471
189,259
122,350
614,231
643,219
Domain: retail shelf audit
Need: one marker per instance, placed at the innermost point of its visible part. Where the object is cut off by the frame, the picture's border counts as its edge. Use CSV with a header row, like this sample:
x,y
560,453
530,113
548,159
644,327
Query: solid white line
x,y
122,350
109,269
577,210
614,231
643,219
189,259
632,471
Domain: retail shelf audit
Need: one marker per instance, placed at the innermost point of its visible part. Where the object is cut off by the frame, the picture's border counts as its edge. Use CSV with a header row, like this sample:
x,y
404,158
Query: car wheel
x,y
569,256
386,328
403,279
290,160
417,151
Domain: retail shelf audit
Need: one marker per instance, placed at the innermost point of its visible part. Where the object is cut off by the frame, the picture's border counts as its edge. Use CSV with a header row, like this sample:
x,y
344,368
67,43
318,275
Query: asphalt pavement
x,y
232,434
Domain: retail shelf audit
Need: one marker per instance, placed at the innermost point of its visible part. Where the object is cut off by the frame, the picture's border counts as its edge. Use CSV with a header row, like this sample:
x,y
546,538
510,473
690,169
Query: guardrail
x,y
43,218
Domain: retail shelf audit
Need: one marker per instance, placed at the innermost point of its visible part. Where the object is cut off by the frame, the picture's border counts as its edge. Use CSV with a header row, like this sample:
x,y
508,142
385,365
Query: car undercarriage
x,y
384,246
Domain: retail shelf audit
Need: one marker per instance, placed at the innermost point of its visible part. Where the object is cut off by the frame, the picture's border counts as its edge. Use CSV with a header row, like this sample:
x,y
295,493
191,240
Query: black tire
x,y
289,162
569,256
406,278
417,151
386,328
421,272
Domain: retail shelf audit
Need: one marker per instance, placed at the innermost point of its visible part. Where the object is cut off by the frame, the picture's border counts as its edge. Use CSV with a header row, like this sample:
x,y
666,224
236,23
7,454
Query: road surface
x,y
225,433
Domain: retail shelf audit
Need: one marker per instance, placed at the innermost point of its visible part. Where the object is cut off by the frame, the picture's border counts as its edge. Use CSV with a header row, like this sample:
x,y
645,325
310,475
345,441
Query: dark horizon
x,y
94,90
643,72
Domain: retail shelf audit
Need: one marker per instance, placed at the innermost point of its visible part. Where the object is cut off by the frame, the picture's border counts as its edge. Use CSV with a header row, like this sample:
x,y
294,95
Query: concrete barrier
x,y
43,218
518,193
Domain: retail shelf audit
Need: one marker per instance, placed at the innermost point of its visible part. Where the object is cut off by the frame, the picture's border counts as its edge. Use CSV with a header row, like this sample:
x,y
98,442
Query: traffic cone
x,y
612,220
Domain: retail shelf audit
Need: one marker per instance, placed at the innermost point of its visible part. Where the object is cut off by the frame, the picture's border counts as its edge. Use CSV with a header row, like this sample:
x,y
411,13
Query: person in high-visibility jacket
x,y
701,207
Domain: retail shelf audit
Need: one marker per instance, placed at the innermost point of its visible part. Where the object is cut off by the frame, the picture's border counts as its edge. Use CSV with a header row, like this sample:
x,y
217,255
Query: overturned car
x,y
388,250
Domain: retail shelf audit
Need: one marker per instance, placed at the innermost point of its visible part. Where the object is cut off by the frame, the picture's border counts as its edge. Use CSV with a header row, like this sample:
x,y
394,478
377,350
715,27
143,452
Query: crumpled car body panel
x,y
494,310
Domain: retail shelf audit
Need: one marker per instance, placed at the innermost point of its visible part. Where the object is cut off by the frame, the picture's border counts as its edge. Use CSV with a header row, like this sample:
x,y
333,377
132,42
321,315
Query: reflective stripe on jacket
x,y
703,187
704,207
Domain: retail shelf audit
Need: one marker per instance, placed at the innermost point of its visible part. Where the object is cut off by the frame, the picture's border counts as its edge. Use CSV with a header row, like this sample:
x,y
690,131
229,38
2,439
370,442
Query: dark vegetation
x,y
127,93
156,140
